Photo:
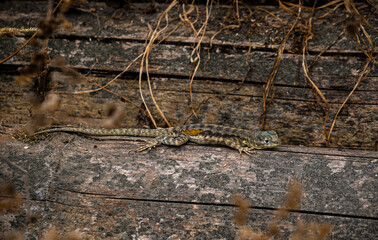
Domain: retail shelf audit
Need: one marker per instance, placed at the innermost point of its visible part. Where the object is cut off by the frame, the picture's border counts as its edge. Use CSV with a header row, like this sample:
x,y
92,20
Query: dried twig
x,y
277,60
196,51
146,53
366,70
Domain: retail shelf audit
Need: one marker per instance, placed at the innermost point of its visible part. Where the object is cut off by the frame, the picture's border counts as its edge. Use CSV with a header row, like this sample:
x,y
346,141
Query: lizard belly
x,y
207,140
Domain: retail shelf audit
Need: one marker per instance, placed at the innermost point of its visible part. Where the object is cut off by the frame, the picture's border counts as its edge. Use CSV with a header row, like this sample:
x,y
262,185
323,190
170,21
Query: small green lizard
x,y
204,134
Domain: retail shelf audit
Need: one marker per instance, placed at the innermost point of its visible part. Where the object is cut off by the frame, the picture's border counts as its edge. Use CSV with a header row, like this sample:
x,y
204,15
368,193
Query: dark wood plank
x,y
131,25
294,112
330,72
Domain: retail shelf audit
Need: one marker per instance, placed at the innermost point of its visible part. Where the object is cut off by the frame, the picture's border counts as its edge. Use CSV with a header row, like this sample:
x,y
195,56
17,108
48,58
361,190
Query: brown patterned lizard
x,y
204,134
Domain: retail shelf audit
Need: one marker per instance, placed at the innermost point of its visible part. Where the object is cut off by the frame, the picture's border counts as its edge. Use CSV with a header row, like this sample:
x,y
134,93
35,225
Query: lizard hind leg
x,y
166,140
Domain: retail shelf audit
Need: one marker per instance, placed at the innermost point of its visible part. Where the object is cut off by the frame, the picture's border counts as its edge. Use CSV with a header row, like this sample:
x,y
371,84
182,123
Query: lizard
x,y
204,134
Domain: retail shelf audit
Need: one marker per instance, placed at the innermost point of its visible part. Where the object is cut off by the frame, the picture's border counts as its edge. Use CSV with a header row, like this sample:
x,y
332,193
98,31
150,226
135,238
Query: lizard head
x,y
264,139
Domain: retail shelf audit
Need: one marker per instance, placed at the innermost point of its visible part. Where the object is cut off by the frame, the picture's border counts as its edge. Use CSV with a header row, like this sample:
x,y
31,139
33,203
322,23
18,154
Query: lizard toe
x,y
249,151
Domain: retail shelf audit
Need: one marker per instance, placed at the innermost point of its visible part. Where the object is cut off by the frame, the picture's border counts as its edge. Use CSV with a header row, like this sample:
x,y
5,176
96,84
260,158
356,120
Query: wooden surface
x,y
104,191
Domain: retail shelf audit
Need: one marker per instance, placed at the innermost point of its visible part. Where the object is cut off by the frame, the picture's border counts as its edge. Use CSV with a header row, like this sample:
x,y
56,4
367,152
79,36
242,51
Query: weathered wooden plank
x,y
294,112
101,189
333,184
129,86
339,73
132,25
103,217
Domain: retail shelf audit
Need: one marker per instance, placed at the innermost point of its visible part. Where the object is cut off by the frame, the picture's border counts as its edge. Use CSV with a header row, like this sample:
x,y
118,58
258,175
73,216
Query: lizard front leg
x,y
237,144
166,140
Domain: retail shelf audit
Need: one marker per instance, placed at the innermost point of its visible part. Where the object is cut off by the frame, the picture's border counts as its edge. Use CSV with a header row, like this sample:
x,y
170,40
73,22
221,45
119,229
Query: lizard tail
x,y
137,132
